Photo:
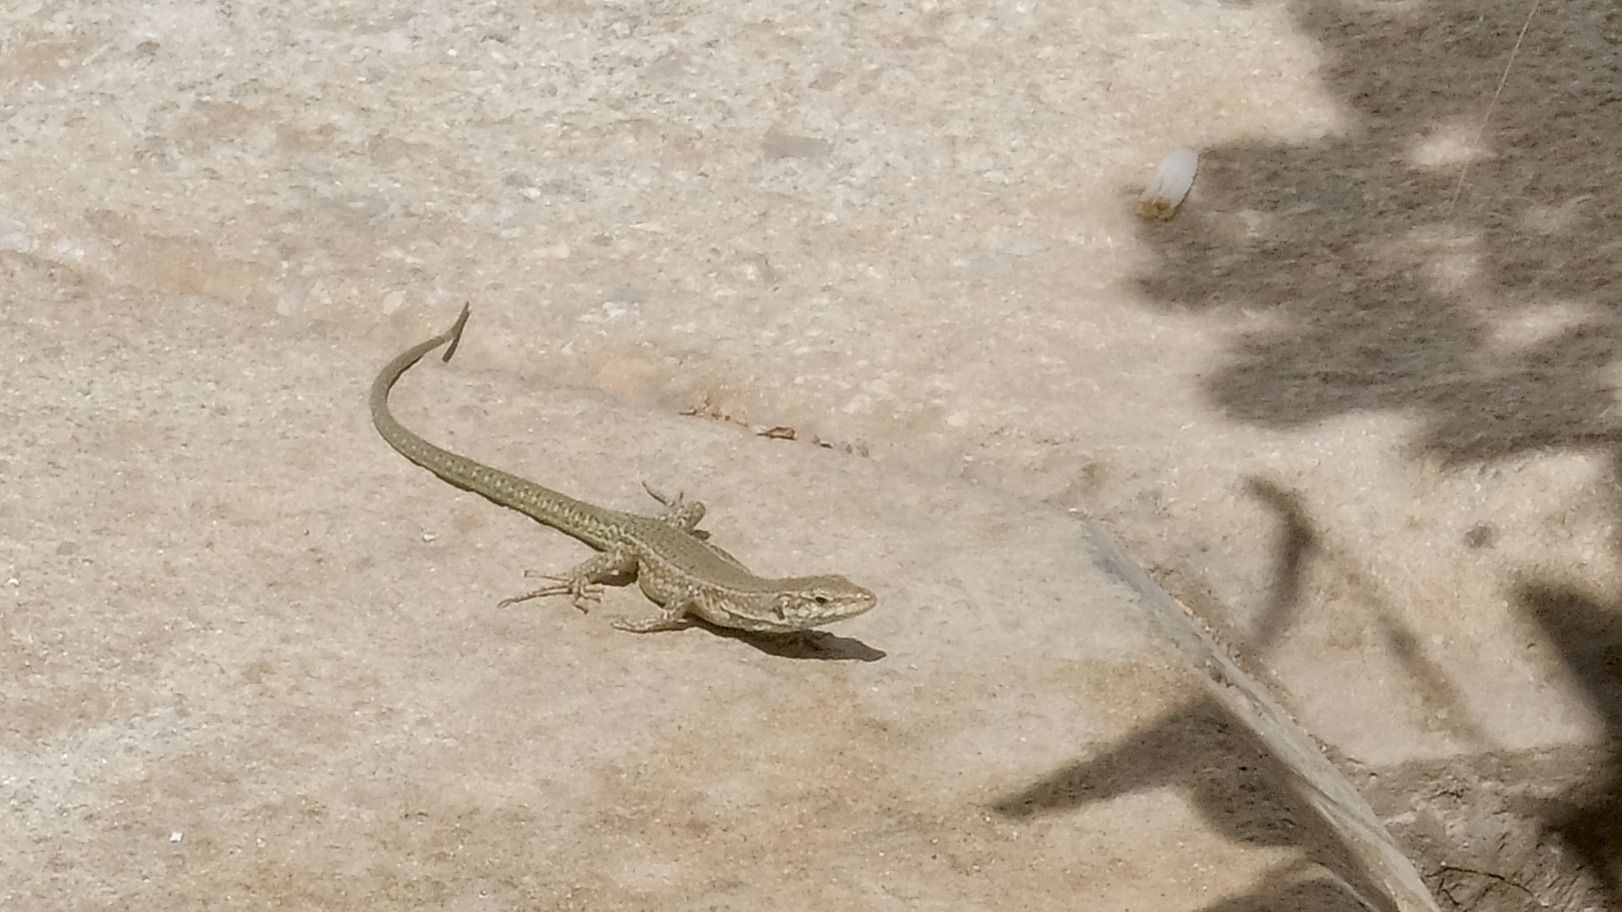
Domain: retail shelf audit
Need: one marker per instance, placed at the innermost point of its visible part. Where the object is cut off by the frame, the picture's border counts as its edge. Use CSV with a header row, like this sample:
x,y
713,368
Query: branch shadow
x,y
1368,272
1587,636
1238,785
1358,287
1297,543
1315,895
1301,543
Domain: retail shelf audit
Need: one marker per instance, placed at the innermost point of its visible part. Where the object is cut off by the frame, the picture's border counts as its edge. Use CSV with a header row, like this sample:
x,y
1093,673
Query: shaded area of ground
x,y
1368,278
1252,802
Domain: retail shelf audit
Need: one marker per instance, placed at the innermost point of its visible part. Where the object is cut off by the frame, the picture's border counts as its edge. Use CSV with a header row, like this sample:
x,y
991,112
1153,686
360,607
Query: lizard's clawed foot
x,y
583,593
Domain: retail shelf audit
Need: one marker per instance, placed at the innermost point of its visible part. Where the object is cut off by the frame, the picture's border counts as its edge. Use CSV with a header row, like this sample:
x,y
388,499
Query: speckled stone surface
x,y
1354,407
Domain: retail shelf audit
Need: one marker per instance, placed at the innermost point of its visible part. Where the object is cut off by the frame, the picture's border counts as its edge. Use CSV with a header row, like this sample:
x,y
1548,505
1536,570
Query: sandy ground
x,y
1357,414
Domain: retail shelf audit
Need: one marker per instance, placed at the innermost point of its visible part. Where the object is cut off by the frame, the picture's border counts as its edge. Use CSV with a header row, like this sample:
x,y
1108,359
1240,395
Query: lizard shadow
x,y
818,645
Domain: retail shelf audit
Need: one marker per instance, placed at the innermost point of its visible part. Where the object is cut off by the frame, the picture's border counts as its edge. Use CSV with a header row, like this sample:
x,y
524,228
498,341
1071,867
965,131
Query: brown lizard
x,y
682,573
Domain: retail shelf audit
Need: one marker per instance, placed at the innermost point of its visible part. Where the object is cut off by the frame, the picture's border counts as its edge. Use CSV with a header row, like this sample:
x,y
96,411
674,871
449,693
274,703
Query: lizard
x,y
676,568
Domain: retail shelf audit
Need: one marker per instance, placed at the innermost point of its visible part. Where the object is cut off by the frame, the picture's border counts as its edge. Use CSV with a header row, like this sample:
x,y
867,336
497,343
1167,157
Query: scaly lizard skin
x,y
682,573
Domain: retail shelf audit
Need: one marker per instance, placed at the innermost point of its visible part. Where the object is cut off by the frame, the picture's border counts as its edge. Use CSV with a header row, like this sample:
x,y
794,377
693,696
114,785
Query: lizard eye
x,y
820,599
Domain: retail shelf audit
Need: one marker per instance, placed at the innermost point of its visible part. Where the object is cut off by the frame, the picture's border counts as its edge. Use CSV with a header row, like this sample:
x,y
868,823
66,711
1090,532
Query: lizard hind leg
x,y
582,593
679,512
583,584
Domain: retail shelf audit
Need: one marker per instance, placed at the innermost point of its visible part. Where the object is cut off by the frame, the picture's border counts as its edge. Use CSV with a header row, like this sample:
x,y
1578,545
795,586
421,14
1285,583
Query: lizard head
x,y
811,601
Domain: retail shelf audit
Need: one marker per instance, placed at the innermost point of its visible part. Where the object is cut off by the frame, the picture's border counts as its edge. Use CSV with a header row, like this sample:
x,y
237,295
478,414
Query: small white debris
x,y
174,836
15,236
428,538
1173,178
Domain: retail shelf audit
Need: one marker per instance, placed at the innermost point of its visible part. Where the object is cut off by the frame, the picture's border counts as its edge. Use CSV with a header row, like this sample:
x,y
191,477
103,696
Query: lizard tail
x,y
455,332
391,429
409,445
543,504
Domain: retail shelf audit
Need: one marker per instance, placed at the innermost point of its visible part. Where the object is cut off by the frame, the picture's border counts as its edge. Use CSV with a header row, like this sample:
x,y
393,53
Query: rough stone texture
x,y
255,659
1357,413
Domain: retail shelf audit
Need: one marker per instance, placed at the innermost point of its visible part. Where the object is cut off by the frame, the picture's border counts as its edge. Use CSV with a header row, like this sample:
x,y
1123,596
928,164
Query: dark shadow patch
x,y
1587,637
1356,286
1358,274
1296,543
1320,895
1235,782
819,645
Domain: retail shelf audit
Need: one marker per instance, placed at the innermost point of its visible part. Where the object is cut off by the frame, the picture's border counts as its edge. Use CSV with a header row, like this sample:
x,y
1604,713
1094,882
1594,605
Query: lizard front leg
x,y
675,599
583,583
668,618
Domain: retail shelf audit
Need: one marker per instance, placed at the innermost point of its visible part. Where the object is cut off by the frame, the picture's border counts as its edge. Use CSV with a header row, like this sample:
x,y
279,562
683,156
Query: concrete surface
x,y
1357,414
257,661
